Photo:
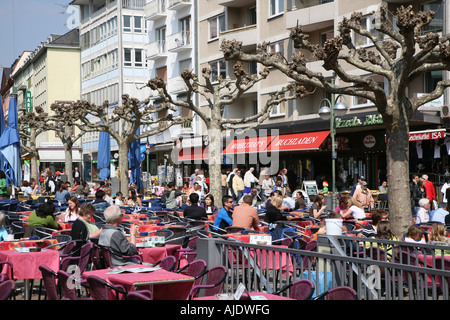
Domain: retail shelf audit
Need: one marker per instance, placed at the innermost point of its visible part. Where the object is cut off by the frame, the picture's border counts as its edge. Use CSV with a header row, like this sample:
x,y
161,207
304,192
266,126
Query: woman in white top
x,y
267,186
73,210
354,209
423,214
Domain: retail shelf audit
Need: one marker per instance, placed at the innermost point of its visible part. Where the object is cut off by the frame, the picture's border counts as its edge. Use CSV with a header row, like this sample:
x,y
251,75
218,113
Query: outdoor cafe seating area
x,y
168,268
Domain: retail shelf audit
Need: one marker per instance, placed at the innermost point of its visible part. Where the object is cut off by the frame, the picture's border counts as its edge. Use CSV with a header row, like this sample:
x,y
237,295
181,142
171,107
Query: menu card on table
x,y
261,239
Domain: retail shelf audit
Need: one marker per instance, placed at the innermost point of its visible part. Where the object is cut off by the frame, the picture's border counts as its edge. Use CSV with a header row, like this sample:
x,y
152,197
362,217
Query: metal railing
x,y
339,261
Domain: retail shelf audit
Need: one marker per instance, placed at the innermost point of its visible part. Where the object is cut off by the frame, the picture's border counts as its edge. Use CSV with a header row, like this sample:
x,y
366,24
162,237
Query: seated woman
x,y
273,212
317,207
83,228
415,234
439,237
209,206
384,232
355,210
63,194
439,234
44,216
342,207
73,210
132,200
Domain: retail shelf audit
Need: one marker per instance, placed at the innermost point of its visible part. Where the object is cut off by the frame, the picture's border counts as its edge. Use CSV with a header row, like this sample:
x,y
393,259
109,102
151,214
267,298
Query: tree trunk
x,y
69,167
397,159
123,168
34,170
215,165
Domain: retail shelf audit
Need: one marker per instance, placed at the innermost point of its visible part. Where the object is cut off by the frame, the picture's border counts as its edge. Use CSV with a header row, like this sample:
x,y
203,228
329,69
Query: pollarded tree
x,y
31,125
218,93
400,54
63,123
130,116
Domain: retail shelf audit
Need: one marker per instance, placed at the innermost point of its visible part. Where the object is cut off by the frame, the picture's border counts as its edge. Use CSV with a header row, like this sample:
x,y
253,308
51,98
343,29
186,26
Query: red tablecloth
x,y
165,285
26,264
268,296
154,254
11,245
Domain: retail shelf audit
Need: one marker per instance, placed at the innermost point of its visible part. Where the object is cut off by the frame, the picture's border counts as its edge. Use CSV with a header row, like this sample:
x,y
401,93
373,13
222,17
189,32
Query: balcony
x,y
311,15
133,4
156,50
179,4
179,42
155,10
236,3
248,35
177,85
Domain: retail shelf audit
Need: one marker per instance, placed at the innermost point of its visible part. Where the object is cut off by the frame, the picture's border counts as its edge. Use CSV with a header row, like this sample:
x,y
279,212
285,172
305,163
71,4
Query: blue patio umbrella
x,y
104,155
10,146
134,162
2,128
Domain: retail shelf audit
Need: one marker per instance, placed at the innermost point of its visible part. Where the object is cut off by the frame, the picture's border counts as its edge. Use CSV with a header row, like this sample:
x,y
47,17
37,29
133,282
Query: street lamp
x,y
329,113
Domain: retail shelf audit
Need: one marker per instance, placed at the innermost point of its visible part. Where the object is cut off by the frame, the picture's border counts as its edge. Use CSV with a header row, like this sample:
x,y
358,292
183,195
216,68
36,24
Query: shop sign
x,y
431,135
310,188
369,120
369,141
28,105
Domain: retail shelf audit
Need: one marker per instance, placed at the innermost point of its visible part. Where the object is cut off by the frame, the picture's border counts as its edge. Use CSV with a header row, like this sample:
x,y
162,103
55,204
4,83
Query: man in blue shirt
x,y
438,215
224,217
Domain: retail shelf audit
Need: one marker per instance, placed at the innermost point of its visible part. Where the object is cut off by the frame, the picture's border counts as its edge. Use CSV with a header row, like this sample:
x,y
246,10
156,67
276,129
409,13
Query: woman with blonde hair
x,y
354,209
273,212
438,234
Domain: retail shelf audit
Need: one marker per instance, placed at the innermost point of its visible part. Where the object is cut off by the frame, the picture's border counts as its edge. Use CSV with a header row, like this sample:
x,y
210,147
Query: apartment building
x,y
360,142
113,35
44,76
172,47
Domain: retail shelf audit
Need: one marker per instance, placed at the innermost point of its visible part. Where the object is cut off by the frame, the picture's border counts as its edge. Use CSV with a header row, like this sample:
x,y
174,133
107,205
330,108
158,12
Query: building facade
x,y
49,74
360,142
113,34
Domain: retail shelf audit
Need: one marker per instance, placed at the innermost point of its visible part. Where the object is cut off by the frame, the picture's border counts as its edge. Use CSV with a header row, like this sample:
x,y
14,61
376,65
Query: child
x,y
119,199
322,229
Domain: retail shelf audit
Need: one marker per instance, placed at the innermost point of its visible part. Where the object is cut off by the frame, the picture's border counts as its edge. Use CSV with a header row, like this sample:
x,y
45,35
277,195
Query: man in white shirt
x,y
288,203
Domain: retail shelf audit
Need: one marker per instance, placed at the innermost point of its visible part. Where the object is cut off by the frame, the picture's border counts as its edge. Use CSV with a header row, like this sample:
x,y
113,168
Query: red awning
x,y
427,135
247,145
298,141
191,154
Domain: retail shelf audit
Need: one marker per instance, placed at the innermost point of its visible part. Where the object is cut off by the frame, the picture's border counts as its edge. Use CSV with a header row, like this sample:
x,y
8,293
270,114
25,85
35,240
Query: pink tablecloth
x,y
165,285
154,254
26,264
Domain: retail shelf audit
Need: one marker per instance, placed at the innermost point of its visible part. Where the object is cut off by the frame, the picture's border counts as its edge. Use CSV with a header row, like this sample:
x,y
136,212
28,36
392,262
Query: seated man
x,y
100,203
113,237
225,216
254,194
194,211
439,214
288,203
245,216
